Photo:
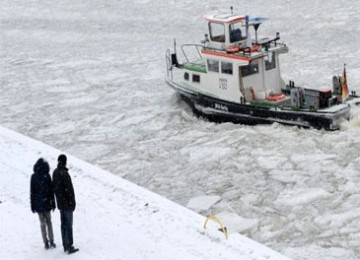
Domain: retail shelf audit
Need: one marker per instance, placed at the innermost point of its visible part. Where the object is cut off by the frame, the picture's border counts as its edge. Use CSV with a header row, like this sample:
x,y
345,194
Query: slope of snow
x,y
114,219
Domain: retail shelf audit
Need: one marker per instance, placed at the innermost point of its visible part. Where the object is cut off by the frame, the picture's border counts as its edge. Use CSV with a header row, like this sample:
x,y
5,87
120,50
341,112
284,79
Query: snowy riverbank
x,y
114,219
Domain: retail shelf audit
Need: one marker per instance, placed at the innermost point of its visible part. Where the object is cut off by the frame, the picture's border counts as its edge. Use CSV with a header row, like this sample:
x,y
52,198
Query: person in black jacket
x,y
42,200
65,199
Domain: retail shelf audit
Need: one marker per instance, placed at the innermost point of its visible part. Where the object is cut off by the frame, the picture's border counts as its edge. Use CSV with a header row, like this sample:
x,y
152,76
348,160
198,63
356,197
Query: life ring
x,y
275,97
233,49
254,48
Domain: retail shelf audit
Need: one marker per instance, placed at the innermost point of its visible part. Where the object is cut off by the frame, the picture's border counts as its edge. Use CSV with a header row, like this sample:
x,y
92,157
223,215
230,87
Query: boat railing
x,y
172,61
280,45
168,64
197,47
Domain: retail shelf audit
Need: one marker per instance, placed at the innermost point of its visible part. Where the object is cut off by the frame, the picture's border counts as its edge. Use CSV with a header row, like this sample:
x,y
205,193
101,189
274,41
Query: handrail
x,y
167,59
222,227
197,46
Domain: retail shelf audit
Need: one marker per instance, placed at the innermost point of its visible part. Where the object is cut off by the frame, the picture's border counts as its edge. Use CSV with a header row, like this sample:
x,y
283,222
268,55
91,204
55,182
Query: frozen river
x,y
88,78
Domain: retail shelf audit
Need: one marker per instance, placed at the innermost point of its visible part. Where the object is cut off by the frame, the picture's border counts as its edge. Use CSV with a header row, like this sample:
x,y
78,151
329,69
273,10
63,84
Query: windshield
x,y
236,32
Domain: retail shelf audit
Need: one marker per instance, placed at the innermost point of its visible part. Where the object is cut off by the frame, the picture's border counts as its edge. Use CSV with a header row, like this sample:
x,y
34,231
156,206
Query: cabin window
x,y
186,76
270,62
250,69
226,68
196,78
213,65
236,34
217,32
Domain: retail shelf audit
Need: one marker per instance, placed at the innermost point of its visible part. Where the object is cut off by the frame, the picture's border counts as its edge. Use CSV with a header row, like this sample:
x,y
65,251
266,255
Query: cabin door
x,y
241,87
270,72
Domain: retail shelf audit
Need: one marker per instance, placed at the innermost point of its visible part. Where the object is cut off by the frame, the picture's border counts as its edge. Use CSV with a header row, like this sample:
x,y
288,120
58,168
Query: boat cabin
x,y
234,66
227,30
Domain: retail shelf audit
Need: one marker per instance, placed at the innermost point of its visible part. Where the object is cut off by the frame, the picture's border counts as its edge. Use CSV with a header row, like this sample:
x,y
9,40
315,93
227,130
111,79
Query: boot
x,y
52,245
47,245
72,250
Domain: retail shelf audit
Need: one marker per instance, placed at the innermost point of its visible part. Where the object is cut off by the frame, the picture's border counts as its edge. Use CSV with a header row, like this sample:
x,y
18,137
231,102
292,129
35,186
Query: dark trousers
x,y
66,217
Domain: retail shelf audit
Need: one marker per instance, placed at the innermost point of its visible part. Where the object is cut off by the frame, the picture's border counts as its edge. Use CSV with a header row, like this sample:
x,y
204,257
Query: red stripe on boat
x,y
225,55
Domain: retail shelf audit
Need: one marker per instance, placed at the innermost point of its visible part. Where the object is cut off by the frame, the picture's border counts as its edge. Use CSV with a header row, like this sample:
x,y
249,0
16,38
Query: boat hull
x,y
217,110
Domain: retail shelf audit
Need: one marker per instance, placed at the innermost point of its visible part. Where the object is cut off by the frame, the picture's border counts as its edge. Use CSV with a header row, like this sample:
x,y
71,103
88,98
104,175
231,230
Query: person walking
x,y
65,199
42,200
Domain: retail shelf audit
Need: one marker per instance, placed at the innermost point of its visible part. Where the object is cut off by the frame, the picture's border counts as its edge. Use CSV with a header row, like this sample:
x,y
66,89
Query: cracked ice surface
x,y
88,78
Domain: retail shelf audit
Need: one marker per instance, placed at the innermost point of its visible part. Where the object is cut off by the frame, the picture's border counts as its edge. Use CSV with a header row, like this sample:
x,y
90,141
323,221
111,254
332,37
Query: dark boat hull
x,y
217,110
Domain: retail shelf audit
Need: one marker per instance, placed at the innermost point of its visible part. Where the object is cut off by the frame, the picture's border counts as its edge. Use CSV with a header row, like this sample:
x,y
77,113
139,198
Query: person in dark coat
x,y
42,200
65,199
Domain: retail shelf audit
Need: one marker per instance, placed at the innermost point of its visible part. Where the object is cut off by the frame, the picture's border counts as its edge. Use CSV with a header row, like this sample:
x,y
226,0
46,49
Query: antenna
x,y
248,41
174,45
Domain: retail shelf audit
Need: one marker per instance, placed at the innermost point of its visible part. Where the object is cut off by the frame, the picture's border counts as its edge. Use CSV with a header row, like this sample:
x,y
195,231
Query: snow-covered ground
x,y
114,219
87,77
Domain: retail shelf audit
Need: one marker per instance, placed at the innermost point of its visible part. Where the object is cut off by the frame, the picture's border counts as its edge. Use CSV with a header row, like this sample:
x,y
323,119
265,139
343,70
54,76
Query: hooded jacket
x,y
41,188
64,190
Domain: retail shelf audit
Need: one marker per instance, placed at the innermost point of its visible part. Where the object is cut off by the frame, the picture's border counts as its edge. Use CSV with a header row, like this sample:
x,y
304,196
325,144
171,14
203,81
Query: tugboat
x,y
236,78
